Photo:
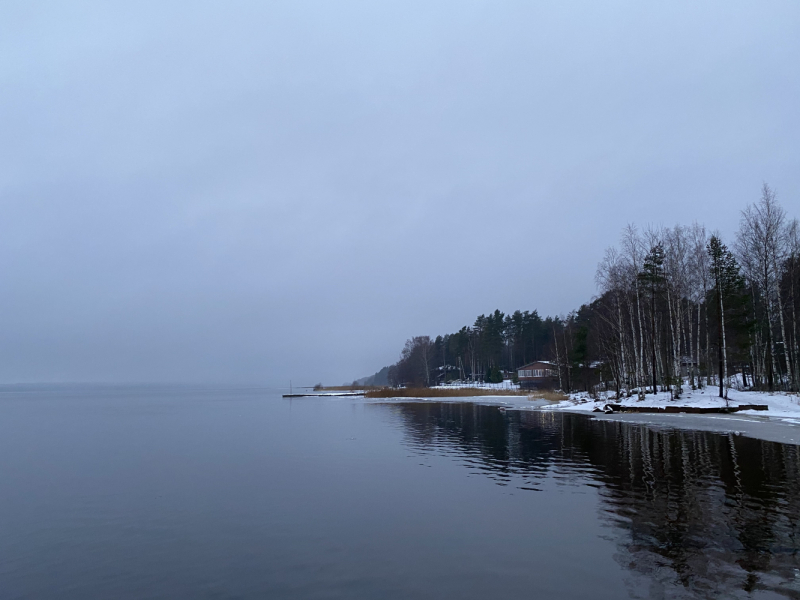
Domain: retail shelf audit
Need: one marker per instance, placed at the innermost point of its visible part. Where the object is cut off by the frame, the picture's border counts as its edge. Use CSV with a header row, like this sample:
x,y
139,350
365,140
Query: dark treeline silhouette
x,y
675,305
492,345
714,515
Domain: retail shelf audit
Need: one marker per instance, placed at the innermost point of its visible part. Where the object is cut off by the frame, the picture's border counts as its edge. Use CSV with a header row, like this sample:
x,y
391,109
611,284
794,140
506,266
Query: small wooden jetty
x,y
698,410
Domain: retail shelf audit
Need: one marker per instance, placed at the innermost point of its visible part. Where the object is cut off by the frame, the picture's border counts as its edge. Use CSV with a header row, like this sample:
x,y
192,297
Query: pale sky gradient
x,y
259,191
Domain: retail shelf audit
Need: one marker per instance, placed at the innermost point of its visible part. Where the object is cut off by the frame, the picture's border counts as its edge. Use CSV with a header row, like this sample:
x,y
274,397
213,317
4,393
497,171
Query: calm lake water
x,y
179,492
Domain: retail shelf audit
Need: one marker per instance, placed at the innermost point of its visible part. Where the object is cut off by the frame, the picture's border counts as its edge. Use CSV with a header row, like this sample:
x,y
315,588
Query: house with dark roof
x,y
540,374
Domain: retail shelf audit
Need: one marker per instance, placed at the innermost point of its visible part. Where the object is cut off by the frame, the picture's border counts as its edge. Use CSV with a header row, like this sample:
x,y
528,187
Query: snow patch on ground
x,y
781,404
505,385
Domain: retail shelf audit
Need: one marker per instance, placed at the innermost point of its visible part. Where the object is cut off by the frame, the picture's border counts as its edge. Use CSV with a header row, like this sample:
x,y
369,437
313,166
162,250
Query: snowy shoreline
x,y
779,404
780,423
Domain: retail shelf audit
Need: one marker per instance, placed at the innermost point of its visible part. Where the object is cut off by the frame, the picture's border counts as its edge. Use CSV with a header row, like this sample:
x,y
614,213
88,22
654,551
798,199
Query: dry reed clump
x,y
436,392
549,395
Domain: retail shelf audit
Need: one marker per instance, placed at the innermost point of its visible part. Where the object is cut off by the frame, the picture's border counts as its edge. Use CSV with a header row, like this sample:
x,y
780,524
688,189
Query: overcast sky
x,y
253,192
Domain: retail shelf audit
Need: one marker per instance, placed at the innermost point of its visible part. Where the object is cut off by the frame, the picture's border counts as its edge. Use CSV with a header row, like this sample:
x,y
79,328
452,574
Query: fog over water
x,y
262,191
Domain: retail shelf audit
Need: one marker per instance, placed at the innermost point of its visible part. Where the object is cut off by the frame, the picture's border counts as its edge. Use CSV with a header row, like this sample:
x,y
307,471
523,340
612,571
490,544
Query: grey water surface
x,y
203,492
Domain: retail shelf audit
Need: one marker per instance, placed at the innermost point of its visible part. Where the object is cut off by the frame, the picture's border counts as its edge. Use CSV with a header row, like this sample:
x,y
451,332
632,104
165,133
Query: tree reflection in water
x,y
697,514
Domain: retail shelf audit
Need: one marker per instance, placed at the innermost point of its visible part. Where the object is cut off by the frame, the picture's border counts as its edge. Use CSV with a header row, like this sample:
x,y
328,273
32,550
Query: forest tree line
x,y
676,306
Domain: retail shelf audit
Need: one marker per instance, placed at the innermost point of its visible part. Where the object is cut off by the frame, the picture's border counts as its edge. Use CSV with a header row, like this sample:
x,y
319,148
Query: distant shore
x,y
446,391
443,392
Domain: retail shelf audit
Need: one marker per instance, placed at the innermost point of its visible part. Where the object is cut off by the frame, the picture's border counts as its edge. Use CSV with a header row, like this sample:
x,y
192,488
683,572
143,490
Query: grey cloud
x,y
258,191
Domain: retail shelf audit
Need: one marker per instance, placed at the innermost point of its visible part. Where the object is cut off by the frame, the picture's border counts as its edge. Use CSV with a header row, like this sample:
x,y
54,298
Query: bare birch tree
x,y
760,244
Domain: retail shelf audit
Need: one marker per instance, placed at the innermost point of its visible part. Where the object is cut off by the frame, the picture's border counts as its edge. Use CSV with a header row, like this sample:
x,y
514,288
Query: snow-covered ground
x,y
505,385
781,405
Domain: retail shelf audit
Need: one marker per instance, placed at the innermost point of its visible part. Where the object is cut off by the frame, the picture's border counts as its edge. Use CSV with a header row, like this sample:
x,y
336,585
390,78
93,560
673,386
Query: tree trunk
x,y
640,353
690,334
794,328
789,372
653,333
723,350
566,361
673,339
636,358
558,359
621,339
699,380
708,346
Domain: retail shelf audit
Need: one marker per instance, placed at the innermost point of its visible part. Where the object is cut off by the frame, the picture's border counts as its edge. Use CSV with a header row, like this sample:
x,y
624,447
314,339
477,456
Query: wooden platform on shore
x,y
698,410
